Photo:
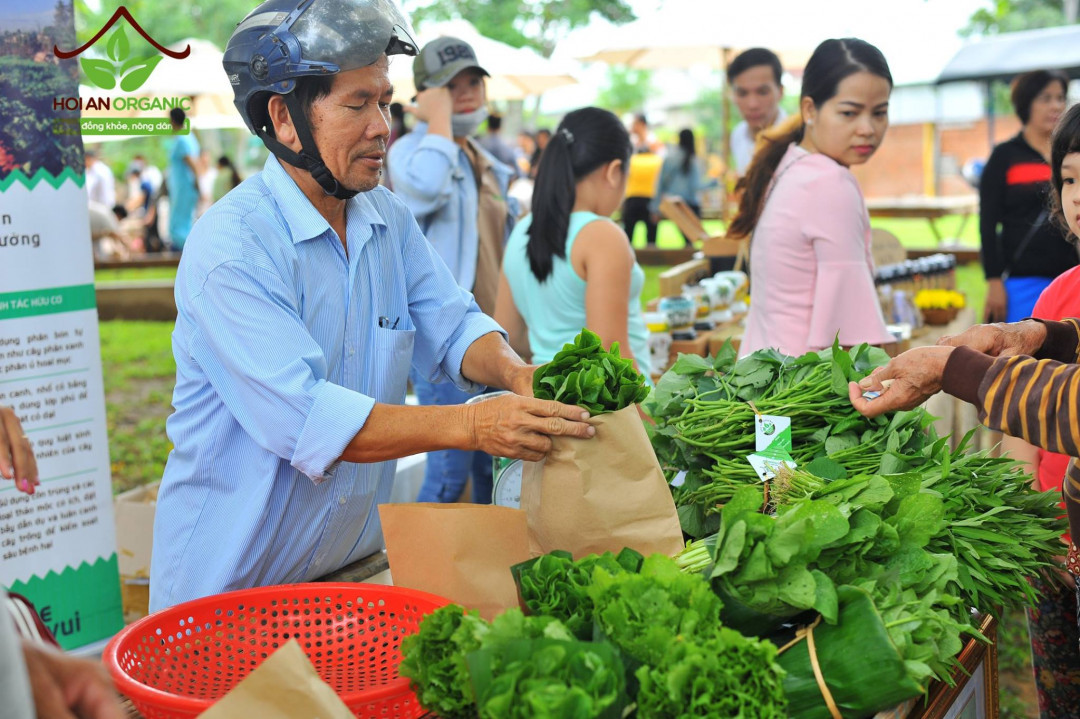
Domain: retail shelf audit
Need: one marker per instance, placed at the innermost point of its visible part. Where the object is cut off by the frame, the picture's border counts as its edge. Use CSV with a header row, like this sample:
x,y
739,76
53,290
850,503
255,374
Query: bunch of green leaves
x,y
548,679
585,374
924,626
999,528
643,613
766,562
555,585
724,675
705,422
434,658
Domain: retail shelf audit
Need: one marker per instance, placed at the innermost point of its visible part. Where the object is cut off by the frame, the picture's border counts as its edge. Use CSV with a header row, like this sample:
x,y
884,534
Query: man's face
x,y
757,96
352,123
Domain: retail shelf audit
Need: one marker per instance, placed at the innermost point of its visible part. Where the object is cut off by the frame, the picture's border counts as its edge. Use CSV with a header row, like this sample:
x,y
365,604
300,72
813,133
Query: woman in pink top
x,y
812,276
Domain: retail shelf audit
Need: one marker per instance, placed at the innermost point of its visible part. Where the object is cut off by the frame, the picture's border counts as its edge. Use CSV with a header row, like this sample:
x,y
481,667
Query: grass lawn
x,y
139,372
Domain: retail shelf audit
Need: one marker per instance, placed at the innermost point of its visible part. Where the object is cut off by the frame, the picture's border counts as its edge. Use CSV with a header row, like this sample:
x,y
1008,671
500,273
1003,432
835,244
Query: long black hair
x,y
585,140
686,144
1065,141
832,62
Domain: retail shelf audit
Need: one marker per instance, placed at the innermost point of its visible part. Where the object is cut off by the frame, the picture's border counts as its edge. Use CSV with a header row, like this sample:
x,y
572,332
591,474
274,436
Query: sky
x,y
25,14
918,37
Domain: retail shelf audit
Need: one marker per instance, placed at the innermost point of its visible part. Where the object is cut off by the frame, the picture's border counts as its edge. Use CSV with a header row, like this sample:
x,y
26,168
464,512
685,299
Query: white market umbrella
x,y
689,33
516,73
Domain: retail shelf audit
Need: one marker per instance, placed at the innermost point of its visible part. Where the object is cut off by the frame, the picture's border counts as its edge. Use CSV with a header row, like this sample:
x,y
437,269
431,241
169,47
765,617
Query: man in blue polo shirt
x,y
303,298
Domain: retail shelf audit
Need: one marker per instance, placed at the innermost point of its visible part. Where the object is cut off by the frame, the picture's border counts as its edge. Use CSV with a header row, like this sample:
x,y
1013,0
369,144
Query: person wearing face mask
x,y
458,192
1022,250
812,276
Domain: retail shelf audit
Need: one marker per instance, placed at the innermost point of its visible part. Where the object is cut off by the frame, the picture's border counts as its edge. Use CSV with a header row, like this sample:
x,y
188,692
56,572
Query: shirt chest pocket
x,y
393,352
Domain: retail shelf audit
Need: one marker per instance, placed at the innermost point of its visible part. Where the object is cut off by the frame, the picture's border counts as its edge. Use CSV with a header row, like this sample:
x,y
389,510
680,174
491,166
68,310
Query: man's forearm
x,y
490,361
394,431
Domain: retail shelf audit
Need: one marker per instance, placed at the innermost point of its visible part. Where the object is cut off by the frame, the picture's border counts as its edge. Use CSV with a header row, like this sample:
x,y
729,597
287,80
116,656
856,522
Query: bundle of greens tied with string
x,y
704,409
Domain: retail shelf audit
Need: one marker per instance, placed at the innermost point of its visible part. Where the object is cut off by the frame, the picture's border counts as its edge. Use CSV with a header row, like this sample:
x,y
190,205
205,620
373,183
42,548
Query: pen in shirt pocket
x,y
385,323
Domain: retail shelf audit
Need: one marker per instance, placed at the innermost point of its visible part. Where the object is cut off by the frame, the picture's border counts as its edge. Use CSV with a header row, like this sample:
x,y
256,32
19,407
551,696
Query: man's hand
x,y
1001,340
16,453
996,308
522,427
914,377
66,686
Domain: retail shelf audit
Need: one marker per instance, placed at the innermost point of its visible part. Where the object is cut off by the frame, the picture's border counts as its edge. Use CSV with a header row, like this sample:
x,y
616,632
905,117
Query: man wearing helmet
x,y
303,298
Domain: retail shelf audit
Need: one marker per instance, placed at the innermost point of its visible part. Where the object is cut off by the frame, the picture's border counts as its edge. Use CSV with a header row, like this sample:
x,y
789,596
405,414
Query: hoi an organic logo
x,y
122,66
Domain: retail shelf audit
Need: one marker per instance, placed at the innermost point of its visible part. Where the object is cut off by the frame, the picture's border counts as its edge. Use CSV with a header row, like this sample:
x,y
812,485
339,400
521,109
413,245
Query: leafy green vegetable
x,y
548,679
434,657
725,675
643,613
705,423
555,585
584,374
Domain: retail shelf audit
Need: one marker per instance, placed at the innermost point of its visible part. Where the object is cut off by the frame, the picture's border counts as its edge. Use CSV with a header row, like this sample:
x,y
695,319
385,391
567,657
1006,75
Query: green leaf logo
x,y
137,72
118,47
99,72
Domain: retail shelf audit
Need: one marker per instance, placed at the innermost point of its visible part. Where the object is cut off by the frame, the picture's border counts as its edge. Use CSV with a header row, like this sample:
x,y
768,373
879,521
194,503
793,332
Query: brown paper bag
x,y
459,551
285,686
601,494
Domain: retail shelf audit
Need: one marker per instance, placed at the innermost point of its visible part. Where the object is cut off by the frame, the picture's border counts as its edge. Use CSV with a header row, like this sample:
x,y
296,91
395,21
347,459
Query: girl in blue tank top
x,y
567,265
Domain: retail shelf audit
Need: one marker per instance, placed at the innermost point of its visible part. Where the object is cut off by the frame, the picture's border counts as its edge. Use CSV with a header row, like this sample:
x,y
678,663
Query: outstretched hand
x,y
906,382
1000,339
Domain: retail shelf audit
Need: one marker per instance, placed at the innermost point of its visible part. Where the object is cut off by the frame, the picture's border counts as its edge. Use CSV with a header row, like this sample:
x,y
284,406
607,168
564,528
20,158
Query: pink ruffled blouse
x,y
812,274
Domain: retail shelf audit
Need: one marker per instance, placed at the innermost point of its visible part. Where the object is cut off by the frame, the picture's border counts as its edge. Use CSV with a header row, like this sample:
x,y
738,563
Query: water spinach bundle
x,y
705,412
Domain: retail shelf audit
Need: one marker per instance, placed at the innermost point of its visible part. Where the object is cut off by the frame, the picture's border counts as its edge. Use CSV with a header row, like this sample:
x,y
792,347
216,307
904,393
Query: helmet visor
x,y
353,33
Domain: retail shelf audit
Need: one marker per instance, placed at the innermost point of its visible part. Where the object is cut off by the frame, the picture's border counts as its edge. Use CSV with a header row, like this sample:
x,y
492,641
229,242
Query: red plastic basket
x,y
177,662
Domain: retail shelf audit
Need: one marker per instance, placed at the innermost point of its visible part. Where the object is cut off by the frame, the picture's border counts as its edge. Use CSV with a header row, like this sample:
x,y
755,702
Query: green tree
x,y
167,22
1015,15
626,90
538,24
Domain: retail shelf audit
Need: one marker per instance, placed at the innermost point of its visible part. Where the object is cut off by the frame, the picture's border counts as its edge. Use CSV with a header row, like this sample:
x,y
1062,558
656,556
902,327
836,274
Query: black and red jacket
x,y
1013,192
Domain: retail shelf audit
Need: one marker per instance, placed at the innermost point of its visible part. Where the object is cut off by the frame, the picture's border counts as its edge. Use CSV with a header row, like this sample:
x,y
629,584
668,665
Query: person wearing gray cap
x,y
458,192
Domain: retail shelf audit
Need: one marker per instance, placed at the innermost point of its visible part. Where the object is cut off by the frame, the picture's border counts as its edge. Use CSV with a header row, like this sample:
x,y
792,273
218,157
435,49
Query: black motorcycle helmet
x,y
282,40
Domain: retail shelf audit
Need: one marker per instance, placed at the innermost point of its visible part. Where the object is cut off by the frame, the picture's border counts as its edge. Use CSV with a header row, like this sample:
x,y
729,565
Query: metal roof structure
x,y
1001,57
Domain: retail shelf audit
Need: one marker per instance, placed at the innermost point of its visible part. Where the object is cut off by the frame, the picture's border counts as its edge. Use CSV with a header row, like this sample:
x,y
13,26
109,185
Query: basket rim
x,y
138,691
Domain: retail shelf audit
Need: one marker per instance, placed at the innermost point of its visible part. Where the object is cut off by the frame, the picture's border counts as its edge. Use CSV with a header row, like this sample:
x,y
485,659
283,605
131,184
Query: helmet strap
x,y
308,158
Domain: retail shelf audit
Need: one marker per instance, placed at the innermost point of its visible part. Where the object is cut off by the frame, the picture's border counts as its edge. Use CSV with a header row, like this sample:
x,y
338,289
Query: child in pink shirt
x,y
811,269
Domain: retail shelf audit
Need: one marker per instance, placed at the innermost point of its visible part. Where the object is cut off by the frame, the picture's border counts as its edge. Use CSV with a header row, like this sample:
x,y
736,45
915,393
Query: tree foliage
x,y
1015,15
168,22
538,24
626,90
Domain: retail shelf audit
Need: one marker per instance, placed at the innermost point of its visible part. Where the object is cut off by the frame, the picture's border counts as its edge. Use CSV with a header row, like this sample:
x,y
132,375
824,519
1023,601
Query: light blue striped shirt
x,y
280,358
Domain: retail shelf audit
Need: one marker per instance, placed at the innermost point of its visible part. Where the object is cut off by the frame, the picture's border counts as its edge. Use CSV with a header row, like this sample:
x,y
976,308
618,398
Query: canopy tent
x,y
1003,56
688,33
516,73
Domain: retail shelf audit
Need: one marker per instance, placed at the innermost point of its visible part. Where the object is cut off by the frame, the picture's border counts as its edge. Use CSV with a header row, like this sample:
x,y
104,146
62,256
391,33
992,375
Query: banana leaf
x,y
548,679
858,661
